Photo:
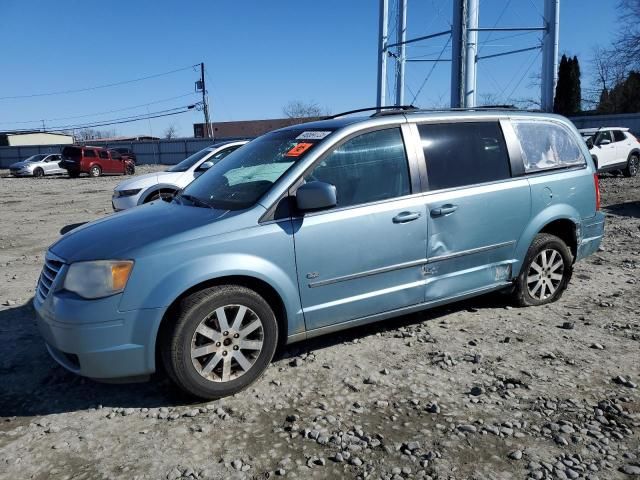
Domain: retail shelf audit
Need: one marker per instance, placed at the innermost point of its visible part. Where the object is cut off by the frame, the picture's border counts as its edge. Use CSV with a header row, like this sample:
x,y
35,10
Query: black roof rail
x,y
378,110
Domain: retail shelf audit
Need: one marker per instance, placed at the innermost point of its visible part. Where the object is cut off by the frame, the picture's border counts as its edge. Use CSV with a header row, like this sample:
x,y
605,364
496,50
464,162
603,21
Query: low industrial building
x,y
246,128
20,139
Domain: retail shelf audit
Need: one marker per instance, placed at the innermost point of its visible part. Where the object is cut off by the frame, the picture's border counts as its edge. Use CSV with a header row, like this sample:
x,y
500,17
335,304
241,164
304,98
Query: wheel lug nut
x,y
218,344
235,347
224,354
236,335
226,333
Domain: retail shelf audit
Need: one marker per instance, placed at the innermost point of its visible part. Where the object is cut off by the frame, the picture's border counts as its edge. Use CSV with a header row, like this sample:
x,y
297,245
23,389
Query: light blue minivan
x,y
319,227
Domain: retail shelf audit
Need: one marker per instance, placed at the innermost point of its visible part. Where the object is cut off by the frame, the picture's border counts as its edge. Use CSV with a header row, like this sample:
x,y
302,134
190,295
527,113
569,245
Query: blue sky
x,y
259,56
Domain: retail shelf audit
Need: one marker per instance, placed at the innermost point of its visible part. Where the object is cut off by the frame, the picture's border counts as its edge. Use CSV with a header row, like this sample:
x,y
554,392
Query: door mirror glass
x,y
316,196
205,166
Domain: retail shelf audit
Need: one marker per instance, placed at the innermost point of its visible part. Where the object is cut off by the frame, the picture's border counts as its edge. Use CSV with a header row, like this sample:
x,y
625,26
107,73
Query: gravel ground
x,y
469,391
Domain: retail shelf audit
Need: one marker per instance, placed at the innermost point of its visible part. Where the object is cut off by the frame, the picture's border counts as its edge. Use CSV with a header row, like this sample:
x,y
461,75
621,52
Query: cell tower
x,y
464,50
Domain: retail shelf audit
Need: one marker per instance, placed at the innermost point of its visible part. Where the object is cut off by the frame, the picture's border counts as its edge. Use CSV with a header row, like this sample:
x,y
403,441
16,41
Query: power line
x,y
116,121
431,71
97,87
101,113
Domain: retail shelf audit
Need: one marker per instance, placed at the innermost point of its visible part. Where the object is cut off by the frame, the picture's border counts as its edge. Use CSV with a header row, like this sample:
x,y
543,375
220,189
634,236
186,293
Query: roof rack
x,y
378,110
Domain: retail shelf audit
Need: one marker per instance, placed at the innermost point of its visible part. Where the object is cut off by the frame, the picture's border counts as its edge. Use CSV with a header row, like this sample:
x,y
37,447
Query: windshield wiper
x,y
196,201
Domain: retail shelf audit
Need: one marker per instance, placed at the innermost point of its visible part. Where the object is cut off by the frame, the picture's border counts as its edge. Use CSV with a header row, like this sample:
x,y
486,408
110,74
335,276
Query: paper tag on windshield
x,y
298,150
312,135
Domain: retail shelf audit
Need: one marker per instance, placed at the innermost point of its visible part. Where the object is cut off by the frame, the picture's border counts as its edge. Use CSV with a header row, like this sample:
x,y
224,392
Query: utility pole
x,y
401,53
382,53
471,52
205,107
550,53
457,53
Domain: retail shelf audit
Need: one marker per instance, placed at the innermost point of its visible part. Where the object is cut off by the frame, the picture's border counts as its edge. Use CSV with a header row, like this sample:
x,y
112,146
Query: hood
x,y
120,235
21,164
143,181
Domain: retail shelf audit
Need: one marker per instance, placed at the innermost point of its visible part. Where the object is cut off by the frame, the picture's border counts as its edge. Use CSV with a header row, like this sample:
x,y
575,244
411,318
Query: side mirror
x,y
316,196
604,141
204,166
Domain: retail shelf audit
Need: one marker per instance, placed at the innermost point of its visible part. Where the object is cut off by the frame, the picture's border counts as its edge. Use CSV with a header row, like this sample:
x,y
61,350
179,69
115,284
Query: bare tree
x,y
300,109
627,50
86,134
171,132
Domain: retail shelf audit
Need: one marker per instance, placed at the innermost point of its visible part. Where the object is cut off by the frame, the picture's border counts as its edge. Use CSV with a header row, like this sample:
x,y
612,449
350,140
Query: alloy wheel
x,y
221,350
633,165
546,272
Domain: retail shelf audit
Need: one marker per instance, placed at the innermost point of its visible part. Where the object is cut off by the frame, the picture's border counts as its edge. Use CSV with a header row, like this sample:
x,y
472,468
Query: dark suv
x,y
126,153
94,161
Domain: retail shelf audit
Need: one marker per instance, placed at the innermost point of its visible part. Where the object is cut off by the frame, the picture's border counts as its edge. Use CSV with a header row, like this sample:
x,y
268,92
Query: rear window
x,y
618,136
73,153
466,153
547,145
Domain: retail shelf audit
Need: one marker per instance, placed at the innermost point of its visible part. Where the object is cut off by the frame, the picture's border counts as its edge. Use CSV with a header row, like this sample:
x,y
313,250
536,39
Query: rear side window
x,y
467,153
89,153
618,136
367,168
547,145
103,154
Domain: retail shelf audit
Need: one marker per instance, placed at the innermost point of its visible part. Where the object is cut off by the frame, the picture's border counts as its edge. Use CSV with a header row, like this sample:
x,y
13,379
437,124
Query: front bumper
x,y
591,233
124,203
21,173
93,338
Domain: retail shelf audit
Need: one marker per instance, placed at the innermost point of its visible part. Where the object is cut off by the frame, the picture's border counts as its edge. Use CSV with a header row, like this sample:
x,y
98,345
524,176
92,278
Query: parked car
x,y
613,148
319,227
37,166
164,185
126,153
94,161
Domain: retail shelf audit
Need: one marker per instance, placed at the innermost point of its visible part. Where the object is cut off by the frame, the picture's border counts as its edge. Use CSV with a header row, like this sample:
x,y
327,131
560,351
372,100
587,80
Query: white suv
x,y
164,185
613,148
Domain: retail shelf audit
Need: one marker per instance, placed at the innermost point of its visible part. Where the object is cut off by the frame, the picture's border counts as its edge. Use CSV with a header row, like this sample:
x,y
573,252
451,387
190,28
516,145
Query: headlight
x,y
127,193
98,279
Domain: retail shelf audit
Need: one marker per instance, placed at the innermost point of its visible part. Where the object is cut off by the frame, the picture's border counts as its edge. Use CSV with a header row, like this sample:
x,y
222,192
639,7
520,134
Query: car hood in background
x,y
119,236
148,179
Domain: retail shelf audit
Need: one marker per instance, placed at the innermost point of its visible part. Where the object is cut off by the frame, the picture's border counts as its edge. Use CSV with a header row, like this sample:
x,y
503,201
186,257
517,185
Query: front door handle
x,y
443,210
404,217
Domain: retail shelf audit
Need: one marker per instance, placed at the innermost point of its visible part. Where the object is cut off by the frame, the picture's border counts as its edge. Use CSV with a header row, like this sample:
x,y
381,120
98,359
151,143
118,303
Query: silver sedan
x,y
38,166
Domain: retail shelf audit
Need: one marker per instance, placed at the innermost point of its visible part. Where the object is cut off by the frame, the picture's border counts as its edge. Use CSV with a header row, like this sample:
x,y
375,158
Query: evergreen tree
x,y
568,95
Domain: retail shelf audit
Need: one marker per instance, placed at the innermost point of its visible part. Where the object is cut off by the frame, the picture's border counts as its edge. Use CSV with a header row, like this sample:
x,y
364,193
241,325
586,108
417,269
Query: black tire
x,y
633,165
38,172
129,169
95,171
179,337
525,292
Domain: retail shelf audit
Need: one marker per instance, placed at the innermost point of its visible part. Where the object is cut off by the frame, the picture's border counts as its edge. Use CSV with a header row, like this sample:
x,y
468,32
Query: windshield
x,y
249,172
189,162
35,158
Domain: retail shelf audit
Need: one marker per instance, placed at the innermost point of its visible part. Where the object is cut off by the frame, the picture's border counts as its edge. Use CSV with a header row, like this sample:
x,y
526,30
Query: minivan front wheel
x,y
221,341
545,272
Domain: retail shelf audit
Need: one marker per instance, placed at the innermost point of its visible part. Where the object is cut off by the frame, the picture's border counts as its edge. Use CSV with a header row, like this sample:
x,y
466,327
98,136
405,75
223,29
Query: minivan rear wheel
x,y
545,272
95,171
221,341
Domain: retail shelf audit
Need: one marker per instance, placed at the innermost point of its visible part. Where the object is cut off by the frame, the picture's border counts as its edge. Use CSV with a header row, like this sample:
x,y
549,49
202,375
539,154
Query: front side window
x,y
249,172
547,145
465,153
367,168
89,153
603,135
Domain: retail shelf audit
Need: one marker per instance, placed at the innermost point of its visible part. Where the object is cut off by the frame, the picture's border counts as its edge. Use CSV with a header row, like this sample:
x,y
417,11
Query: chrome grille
x,y
47,277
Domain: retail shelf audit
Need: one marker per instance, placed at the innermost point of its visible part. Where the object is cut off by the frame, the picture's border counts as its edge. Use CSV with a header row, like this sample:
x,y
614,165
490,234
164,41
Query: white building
x,y
19,139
